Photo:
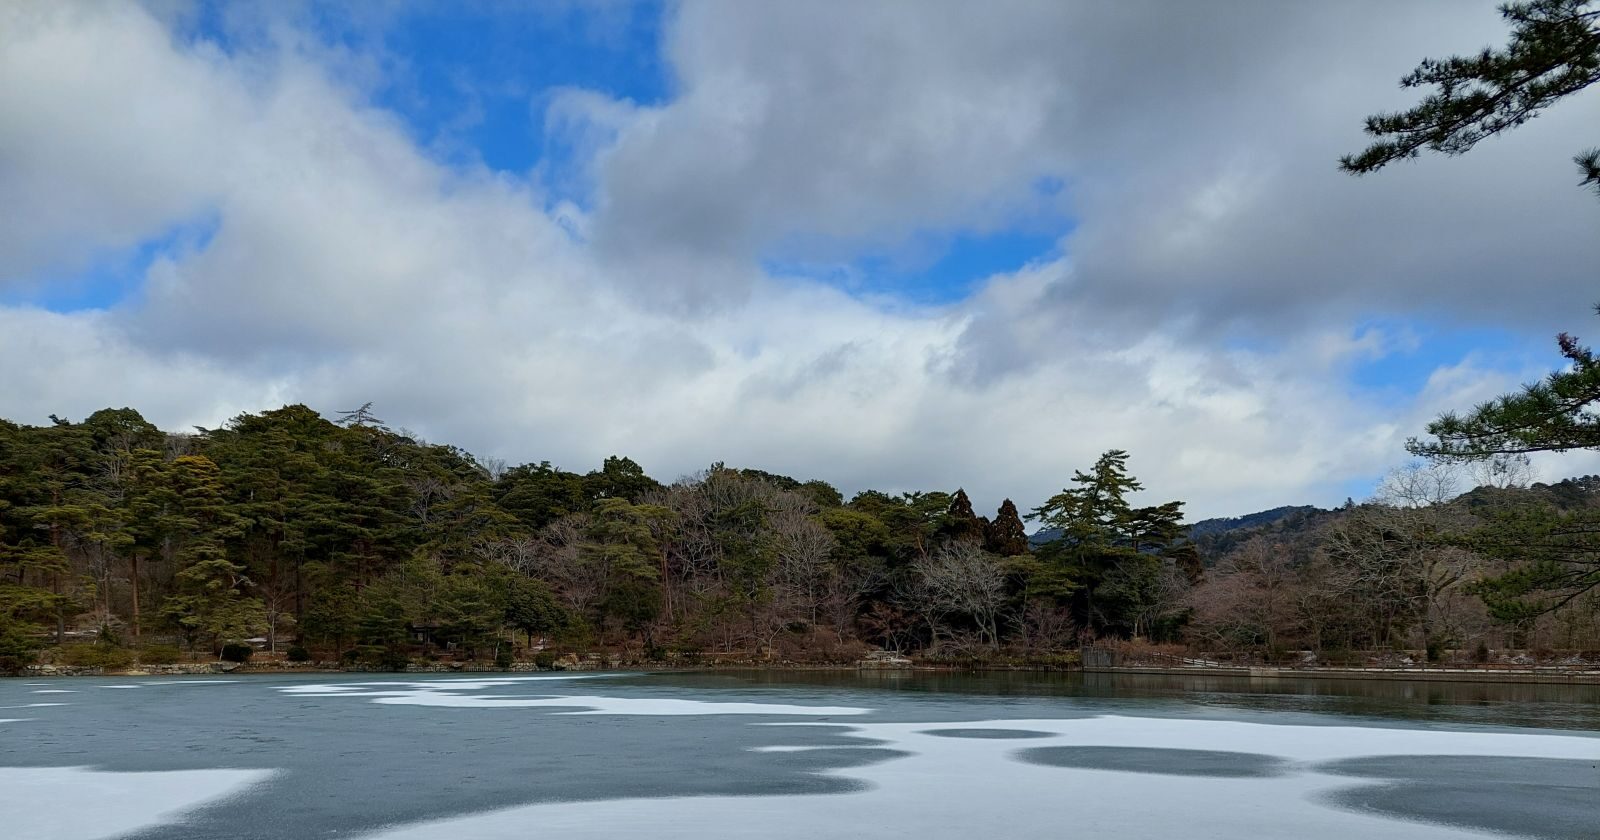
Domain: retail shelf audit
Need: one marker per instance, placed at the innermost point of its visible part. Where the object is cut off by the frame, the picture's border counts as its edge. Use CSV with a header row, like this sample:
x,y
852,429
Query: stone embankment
x,y
1531,675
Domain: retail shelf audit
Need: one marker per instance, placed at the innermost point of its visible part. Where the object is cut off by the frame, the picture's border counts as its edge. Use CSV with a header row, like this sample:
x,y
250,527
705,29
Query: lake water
x,y
793,755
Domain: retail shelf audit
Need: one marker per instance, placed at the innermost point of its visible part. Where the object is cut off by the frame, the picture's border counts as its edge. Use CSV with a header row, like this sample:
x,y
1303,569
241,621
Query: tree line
x,y
346,538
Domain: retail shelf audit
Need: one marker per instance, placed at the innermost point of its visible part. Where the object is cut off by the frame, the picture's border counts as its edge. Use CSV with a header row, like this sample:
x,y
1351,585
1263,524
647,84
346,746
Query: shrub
x,y
388,658
350,657
394,659
545,659
236,652
96,656
18,649
160,654
502,657
297,653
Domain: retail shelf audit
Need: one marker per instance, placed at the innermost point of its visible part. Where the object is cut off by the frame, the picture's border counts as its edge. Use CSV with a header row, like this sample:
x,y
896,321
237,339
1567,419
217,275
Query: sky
x,y
907,244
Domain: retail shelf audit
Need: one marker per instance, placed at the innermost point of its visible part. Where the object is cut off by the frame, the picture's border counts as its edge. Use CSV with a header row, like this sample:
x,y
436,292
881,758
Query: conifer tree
x,y
1006,535
961,523
211,600
1553,53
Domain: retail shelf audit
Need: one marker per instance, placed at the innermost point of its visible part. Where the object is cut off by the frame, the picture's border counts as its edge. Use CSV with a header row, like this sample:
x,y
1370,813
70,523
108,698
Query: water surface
x,y
794,754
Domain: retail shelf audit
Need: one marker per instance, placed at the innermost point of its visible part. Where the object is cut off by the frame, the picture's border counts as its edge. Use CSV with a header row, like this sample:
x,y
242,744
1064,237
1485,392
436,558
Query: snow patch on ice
x,y
964,787
452,694
78,803
56,691
791,748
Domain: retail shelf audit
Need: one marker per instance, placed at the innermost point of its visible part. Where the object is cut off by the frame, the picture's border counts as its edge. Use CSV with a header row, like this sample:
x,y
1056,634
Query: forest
x,y
289,534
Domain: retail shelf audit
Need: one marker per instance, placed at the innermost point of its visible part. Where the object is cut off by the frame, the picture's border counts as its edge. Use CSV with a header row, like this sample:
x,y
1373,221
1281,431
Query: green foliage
x,y
961,522
297,653
1552,555
236,652
531,607
1554,52
619,478
468,610
19,646
159,654
1555,414
822,494
539,494
1114,561
95,656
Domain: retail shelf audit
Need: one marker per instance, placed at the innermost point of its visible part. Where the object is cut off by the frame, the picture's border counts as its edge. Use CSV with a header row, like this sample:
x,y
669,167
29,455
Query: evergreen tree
x,y
1555,414
211,600
1006,536
961,522
1553,556
1553,53
1112,560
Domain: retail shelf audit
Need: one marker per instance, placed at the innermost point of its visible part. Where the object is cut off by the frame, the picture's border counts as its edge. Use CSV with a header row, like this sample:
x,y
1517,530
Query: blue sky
x,y
794,241
471,85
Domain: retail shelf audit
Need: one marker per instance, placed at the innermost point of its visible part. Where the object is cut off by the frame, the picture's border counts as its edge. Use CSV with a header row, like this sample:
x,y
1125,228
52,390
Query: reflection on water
x,y
1495,704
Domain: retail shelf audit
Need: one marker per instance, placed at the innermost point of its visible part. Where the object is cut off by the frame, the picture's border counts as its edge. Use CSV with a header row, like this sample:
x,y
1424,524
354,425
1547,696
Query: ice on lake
x,y
714,756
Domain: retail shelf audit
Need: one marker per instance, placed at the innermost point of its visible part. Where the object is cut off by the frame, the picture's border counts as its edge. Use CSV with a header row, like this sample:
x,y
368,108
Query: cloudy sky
x,y
891,244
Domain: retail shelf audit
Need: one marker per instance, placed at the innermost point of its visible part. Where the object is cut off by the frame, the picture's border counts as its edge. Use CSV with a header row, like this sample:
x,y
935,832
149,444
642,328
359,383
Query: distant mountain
x,y
1042,536
1208,527
1213,527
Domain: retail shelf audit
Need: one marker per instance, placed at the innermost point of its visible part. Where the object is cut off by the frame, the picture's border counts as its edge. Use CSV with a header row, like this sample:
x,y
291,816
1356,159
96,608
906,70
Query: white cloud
x,y
349,265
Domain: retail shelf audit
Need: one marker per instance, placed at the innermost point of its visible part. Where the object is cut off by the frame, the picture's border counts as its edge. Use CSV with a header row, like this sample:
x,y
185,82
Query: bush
x,y
18,649
160,654
388,658
350,657
237,652
502,657
96,656
297,653
545,659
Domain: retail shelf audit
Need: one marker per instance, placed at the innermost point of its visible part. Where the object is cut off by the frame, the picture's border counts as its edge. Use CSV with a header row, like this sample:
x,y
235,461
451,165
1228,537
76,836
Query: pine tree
x,y
1553,53
1555,414
211,600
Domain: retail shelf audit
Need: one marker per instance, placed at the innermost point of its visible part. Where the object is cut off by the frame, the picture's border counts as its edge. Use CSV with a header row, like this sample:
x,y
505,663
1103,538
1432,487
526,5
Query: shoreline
x,y
1526,676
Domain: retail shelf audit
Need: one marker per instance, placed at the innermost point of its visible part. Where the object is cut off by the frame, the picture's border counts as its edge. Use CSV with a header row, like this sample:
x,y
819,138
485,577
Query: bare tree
x,y
1045,625
1247,599
959,579
558,560
1504,472
1420,484
1403,565
804,564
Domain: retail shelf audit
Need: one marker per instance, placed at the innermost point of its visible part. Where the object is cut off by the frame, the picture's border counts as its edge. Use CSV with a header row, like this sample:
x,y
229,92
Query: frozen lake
x,y
793,755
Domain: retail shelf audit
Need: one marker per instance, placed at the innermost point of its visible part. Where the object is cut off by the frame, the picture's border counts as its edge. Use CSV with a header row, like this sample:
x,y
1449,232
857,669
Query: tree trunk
x,y
133,586
61,614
